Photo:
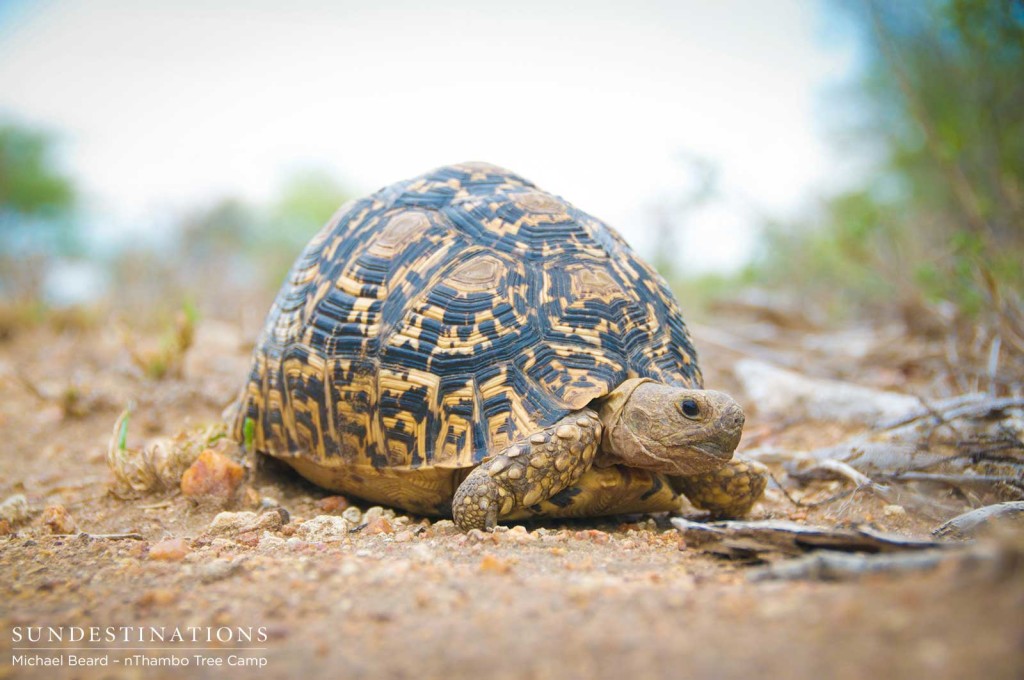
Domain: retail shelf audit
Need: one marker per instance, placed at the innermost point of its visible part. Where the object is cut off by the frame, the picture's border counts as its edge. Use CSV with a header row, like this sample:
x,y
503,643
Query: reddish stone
x,y
170,550
332,504
212,475
378,525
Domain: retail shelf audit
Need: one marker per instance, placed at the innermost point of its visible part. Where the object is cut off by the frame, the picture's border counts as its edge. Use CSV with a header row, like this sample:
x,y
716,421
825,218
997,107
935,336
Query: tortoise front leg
x,y
727,493
528,472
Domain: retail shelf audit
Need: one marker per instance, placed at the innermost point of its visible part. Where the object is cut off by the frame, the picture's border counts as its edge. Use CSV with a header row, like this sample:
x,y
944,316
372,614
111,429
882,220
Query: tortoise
x,y
466,343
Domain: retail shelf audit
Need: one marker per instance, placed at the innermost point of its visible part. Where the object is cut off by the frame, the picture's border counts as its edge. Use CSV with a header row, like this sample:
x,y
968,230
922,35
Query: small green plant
x,y
168,358
249,433
122,433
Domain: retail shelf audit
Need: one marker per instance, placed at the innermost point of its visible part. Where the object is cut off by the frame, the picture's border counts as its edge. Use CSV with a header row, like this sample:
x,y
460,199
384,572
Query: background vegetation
x,y
939,219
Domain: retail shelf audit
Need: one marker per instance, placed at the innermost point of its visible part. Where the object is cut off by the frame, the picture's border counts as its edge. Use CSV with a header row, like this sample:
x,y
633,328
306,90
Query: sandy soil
x,y
620,597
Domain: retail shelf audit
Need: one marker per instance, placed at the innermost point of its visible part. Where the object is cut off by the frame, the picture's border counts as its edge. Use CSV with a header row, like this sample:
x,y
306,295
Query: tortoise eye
x,y
690,408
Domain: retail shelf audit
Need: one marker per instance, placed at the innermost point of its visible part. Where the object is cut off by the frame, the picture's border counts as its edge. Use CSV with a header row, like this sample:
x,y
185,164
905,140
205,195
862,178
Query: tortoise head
x,y
667,429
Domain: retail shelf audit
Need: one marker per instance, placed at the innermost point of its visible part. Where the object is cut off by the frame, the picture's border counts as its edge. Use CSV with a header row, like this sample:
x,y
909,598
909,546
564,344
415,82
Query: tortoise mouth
x,y
692,459
718,453
698,460
723,447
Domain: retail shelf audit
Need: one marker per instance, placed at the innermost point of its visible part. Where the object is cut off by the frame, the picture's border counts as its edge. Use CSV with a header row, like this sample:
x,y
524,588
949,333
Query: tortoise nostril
x,y
736,418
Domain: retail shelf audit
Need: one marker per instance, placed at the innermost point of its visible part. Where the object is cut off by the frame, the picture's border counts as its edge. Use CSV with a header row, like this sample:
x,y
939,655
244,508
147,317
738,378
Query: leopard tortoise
x,y
466,343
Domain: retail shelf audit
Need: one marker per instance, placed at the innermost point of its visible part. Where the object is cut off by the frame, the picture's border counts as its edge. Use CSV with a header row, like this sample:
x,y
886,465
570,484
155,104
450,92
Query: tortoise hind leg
x,y
728,492
528,472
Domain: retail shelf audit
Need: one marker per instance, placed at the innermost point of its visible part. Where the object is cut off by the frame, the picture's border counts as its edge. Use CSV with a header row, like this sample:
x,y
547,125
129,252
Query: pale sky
x,y
161,106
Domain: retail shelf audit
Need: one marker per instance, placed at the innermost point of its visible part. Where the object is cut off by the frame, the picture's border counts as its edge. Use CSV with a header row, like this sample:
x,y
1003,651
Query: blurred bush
x,y
37,203
30,184
227,258
232,255
939,223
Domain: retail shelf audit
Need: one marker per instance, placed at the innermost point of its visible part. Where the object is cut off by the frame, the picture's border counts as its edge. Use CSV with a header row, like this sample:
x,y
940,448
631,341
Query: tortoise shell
x,y
443,318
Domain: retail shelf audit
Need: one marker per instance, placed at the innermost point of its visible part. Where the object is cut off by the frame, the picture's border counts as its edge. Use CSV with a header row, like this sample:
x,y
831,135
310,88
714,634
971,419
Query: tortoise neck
x,y
610,413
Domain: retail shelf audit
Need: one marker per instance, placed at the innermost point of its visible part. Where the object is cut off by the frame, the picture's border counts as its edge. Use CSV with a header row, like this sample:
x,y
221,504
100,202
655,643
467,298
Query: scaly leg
x,y
528,472
728,492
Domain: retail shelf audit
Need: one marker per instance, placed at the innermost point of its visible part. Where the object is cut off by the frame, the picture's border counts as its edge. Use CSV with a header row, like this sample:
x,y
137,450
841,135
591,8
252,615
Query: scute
x,y
441,319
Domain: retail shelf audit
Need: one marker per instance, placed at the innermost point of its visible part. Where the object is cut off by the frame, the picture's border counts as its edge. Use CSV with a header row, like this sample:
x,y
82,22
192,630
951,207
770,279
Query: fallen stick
x,y
109,537
974,405
976,521
839,566
748,539
952,480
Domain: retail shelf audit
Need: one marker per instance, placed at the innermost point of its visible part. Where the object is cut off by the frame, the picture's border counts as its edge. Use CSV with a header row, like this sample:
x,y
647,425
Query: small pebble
x,y
59,519
217,570
377,511
323,529
519,534
170,550
378,525
352,515
233,523
444,527
270,542
593,535
894,511
479,536
283,513
332,504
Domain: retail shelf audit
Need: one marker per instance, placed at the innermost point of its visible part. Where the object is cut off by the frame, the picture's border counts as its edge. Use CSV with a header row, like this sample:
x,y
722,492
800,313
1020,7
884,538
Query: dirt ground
x,y
603,598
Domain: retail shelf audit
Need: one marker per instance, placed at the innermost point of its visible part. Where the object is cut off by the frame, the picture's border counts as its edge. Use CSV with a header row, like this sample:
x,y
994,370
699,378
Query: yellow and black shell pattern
x,y
441,319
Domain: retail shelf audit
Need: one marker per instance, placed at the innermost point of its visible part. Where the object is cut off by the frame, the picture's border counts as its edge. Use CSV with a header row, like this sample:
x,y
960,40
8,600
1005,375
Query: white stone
x,y
231,523
323,529
775,390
